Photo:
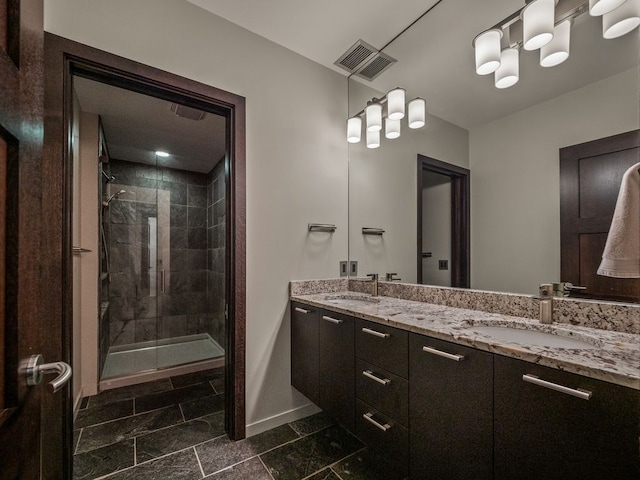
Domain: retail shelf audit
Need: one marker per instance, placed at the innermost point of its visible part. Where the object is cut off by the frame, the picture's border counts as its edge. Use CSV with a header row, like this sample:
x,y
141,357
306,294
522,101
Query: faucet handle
x,y
374,276
389,277
546,290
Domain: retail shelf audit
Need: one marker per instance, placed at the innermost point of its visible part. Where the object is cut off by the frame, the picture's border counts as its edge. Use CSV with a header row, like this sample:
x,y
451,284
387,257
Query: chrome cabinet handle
x,y
79,250
331,319
302,310
33,370
375,333
440,353
575,392
162,277
369,374
369,418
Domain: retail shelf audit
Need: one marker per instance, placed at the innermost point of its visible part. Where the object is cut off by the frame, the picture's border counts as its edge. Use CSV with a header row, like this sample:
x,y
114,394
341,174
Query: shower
x,y
106,203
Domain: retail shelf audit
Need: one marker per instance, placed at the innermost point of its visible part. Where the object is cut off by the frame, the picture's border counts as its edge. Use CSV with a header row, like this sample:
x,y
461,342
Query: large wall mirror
x,y
508,139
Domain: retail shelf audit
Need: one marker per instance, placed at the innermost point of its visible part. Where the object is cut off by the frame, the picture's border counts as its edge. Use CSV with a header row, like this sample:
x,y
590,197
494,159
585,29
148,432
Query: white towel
x,y
621,256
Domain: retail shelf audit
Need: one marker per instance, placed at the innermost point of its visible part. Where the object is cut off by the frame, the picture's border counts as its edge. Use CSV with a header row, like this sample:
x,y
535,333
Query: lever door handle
x,y
33,369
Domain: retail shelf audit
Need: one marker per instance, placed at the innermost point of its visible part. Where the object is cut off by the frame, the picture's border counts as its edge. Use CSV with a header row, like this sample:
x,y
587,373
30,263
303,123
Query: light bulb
x,y
487,49
395,104
417,112
557,50
509,72
354,128
538,19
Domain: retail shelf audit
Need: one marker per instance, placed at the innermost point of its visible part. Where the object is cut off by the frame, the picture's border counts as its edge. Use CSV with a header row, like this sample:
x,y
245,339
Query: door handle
x,y
33,369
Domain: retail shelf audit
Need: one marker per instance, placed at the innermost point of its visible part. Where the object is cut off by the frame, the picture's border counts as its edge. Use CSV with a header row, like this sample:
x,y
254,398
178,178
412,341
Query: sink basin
x,y
531,337
352,298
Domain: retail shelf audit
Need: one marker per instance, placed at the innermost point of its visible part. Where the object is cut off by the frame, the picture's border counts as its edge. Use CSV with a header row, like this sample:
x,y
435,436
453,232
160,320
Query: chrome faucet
x,y
390,277
546,302
374,284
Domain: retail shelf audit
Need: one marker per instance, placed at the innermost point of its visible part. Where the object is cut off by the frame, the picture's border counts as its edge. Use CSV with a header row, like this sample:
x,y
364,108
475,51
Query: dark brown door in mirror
x,y
31,418
590,178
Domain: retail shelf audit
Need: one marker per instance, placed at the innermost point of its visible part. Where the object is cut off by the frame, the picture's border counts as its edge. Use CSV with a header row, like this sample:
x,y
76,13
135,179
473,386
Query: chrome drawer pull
x,y
369,417
580,393
369,374
375,334
450,356
332,320
302,310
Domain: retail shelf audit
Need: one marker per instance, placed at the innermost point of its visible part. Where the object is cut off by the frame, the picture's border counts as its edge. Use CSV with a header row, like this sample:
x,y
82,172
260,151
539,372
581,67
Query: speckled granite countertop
x,y
614,356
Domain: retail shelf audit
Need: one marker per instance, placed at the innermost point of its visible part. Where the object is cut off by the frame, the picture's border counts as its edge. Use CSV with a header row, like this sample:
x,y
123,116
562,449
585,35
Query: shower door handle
x,y
162,280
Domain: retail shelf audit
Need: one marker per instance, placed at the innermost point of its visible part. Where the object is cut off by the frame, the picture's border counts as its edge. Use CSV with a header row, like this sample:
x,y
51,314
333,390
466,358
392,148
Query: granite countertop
x,y
615,358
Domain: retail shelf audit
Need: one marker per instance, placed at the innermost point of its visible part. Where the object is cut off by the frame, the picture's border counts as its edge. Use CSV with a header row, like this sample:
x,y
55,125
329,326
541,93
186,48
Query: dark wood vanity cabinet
x,y
543,433
450,410
438,410
305,322
382,391
336,359
322,359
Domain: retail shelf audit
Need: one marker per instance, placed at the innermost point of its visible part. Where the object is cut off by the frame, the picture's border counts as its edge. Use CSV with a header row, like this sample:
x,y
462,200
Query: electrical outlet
x,y
353,268
443,264
344,268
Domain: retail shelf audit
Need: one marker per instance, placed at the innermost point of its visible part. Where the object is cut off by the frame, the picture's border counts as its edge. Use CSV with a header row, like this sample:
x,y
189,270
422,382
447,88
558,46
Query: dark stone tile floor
x,y
174,429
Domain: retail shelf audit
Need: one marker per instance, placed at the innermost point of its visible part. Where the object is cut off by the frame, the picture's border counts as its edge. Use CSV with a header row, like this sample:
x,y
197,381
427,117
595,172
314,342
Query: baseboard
x,y
76,404
280,419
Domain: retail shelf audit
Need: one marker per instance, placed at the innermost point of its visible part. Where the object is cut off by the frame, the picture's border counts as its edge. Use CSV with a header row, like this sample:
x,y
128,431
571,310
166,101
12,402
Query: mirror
x,y
509,140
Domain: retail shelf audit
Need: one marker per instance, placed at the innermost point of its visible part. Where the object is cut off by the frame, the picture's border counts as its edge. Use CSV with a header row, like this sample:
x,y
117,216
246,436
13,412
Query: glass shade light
x,y
160,153
373,138
391,128
417,112
622,20
354,128
373,112
537,23
487,49
509,72
557,50
600,7
395,104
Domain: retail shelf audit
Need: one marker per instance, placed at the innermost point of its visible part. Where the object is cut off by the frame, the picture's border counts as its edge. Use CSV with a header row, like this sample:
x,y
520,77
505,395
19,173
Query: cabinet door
x,y
304,349
450,410
543,433
337,358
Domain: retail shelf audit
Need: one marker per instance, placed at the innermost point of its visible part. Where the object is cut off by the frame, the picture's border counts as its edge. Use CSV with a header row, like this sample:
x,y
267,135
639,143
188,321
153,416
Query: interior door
x,y
31,417
590,177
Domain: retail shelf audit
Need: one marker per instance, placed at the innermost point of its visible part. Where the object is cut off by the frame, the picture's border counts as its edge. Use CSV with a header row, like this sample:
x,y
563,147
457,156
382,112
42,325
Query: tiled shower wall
x,y
216,230
186,307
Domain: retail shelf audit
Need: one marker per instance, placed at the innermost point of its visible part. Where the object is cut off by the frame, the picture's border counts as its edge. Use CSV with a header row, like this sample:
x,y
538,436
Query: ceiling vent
x,y
364,60
378,64
356,56
187,112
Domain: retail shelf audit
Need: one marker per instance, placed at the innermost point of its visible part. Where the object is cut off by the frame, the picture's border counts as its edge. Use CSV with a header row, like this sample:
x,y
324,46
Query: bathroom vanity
x,y
435,393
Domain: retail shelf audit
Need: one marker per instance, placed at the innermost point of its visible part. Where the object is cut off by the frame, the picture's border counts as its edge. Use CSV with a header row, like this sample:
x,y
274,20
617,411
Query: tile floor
x,y
174,429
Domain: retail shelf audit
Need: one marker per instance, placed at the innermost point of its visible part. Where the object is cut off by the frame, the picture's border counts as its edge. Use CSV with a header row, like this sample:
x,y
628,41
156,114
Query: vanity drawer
x,y
383,346
383,390
382,435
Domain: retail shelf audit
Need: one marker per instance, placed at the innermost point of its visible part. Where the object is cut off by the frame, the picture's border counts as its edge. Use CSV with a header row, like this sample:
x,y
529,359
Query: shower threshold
x,y
152,360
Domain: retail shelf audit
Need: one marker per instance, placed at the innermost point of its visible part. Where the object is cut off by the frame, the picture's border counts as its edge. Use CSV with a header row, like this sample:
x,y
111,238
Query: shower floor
x,y
140,357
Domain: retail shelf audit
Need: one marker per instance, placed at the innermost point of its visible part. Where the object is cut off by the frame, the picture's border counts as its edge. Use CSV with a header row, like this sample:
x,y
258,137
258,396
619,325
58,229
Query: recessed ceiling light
x,y
160,153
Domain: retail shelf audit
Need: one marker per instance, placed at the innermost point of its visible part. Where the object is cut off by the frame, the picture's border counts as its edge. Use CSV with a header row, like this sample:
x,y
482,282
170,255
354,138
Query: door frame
x,y
460,218
65,58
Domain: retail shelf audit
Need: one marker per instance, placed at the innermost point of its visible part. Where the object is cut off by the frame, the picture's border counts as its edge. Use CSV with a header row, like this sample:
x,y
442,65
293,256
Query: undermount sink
x,y
532,337
352,298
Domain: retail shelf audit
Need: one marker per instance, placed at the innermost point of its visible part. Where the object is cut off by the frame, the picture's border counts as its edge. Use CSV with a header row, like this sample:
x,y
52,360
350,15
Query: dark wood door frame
x,y
460,218
65,58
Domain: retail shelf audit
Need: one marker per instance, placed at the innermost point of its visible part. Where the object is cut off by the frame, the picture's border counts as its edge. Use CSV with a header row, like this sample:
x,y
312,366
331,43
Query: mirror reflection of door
x,y
590,178
443,224
436,229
